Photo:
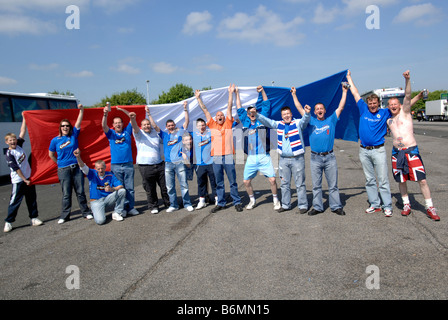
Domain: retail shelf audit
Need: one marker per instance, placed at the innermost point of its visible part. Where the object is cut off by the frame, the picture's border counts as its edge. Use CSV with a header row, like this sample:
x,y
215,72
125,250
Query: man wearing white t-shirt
x,y
149,160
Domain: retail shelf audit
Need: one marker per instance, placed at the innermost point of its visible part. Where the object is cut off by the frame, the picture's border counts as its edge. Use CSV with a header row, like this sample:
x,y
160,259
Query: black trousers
x,y
202,173
20,190
153,175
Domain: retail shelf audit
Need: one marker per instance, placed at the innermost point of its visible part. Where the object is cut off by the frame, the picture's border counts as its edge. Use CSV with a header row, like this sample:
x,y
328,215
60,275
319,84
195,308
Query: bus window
x,y
20,105
60,104
5,110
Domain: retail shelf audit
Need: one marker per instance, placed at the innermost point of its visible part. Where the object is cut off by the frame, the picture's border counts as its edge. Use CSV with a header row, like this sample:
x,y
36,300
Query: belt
x,y
72,166
321,153
372,147
288,157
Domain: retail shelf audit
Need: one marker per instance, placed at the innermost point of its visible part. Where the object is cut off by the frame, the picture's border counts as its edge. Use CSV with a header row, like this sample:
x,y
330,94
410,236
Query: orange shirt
x,y
222,137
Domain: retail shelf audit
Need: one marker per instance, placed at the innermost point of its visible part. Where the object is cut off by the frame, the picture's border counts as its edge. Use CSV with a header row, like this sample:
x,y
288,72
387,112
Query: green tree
x,y
176,93
420,104
62,93
125,98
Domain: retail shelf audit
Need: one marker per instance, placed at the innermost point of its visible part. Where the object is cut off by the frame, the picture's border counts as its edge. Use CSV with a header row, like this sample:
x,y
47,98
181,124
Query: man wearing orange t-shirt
x,y
222,151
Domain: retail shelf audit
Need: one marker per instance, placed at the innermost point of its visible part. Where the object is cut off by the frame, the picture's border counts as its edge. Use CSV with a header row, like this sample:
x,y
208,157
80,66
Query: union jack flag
x,y
416,169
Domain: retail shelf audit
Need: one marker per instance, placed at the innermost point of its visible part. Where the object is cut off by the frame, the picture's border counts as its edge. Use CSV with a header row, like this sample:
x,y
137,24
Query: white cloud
x,y
264,26
297,1
40,5
213,67
359,6
197,22
125,68
81,74
163,67
113,6
324,15
14,24
7,81
126,30
421,14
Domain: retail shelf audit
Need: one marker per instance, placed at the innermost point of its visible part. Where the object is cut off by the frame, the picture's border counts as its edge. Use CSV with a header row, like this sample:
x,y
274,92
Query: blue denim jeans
x,y
72,177
221,164
325,164
171,170
290,168
374,164
99,206
125,173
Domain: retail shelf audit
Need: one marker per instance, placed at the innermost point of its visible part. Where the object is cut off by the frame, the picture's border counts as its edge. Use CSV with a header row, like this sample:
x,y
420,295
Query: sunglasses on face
x,y
65,126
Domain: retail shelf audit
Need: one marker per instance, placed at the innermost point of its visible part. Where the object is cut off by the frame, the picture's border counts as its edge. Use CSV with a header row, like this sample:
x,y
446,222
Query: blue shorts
x,y
255,163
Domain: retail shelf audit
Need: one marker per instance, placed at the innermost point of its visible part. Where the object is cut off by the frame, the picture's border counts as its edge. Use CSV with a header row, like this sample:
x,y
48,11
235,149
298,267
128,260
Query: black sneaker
x,y
313,212
302,210
282,209
216,209
339,211
239,207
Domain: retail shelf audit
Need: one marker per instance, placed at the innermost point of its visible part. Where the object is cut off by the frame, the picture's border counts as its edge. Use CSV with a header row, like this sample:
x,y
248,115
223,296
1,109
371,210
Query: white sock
x,y
275,198
428,203
252,198
201,199
405,200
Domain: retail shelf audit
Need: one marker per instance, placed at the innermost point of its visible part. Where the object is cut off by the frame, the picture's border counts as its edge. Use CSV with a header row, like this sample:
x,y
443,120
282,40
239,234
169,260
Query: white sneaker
x,y
190,208
61,221
117,217
201,205
388,212
171,209
155,210
133,212
89,217
36,222
251,205
277,205
8,227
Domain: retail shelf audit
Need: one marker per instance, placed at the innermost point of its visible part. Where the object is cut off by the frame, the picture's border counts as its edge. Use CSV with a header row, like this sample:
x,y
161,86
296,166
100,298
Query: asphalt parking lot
x,y
251,255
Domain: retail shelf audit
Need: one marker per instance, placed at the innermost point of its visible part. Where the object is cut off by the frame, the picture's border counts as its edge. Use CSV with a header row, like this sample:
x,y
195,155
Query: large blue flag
x,y
327,91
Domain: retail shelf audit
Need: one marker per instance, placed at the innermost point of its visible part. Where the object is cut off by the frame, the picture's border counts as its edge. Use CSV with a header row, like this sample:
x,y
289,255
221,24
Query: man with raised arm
x,y
20,174
174,164
372,153
407,163
257,147
149,160
106,191
323,159
222,151
202,142
292,155
122,162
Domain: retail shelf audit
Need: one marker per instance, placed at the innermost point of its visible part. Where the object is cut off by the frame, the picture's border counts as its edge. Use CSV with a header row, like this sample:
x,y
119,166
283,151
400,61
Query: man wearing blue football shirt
x,y
257,147
372,153
323,160
105,190
122,163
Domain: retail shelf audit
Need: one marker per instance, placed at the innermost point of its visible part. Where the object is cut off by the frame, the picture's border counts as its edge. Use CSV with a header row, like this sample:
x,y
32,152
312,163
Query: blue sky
x,y
122,43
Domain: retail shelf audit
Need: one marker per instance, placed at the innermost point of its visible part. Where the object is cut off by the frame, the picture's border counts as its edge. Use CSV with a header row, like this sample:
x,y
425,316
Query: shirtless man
x,y
406,161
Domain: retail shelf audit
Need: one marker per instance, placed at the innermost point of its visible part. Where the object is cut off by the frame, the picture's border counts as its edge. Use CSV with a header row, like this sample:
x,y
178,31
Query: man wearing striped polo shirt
x,y
291,150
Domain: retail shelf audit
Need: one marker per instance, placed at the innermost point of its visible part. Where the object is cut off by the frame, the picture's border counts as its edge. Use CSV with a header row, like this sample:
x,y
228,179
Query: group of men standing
x,y
209,151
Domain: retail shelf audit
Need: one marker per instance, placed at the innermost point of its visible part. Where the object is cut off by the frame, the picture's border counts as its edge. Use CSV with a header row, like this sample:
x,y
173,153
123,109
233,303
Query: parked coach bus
x,y
385,94
11,107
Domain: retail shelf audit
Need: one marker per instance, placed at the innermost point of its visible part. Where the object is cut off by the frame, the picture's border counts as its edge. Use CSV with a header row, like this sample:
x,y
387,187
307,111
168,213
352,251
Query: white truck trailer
x,y
436,110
